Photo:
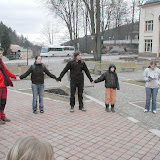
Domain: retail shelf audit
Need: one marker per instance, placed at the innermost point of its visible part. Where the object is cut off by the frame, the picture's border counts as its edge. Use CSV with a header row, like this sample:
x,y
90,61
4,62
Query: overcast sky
x,y
27,17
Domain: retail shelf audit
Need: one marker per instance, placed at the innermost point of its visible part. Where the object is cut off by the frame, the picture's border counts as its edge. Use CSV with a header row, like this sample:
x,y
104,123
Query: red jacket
x,y
2,77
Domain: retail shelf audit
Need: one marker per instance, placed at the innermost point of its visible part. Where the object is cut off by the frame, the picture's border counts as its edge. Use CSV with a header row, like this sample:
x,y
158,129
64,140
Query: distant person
x,y
18,54
76,67
31,148
5,81
111,83
151,77
37,71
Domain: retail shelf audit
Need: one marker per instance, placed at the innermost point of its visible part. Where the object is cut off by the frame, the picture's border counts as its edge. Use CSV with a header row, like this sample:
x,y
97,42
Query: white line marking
x,y
136,105
95,100
155,131
132,103
132,119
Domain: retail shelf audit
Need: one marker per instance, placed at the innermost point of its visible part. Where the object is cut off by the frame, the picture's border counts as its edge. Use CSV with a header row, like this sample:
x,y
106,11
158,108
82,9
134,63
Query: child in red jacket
x,y
5,81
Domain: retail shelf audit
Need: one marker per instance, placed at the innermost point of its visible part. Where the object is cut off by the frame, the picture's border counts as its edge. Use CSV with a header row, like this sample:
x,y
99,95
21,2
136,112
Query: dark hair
x,y
76,53
152,63
1,49
37,57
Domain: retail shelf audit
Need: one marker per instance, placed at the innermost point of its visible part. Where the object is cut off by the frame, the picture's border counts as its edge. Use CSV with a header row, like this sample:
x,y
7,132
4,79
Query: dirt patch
x,y
52,94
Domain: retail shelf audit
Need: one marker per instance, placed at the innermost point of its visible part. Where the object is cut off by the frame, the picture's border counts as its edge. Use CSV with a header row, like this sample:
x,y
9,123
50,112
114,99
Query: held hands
x,y
17,78
92,82
58,79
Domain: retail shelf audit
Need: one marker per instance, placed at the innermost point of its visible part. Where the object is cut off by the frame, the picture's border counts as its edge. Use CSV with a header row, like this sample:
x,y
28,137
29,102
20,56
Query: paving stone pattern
x,y
91,135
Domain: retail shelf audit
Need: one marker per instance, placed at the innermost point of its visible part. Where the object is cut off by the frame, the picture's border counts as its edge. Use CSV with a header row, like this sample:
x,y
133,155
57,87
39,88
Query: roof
x,y
151,2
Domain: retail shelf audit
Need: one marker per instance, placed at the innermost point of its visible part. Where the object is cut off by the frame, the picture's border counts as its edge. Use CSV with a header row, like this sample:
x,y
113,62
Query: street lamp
x,y
26,41
92,38
101,41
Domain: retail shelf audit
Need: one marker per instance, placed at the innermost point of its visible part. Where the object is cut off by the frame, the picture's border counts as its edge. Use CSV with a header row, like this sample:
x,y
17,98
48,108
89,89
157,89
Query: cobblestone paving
x,y
92,135
89,135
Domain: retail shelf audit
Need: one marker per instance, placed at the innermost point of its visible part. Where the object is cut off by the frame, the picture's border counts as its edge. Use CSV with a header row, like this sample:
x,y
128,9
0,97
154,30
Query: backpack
x,y
33,66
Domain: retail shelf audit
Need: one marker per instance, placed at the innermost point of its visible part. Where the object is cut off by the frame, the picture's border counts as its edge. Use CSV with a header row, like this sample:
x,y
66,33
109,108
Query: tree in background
x,y
5,42
68,11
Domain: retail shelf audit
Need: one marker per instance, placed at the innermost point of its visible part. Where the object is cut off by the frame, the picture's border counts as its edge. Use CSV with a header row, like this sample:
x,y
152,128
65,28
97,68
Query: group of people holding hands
x,y
76,67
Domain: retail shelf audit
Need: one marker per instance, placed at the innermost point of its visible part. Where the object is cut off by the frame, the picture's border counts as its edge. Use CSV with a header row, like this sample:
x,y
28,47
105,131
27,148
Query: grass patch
x,y
105,65
137,82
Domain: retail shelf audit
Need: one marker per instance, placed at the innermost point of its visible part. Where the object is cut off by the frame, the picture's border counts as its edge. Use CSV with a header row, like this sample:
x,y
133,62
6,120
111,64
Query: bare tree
x,y
48,33
68,11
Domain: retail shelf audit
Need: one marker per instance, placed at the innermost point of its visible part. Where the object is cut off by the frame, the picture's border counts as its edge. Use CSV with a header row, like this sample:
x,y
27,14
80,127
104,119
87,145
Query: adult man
x,y
76,66
5,81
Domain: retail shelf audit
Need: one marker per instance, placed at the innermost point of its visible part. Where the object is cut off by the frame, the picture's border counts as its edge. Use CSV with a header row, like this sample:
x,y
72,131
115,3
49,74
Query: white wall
x,y
149,12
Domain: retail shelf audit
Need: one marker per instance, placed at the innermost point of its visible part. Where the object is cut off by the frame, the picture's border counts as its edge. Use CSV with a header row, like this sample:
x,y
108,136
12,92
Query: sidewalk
x,y
91,135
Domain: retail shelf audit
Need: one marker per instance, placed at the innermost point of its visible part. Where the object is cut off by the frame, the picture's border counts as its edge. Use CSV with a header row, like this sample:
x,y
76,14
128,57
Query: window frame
x,y
148,45
149,26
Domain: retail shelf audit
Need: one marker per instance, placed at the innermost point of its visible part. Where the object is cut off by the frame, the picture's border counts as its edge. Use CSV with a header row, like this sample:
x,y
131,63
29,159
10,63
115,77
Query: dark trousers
x,y
73,86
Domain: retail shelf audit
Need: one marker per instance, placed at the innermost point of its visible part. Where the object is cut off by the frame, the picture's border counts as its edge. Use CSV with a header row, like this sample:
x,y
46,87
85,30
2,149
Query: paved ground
x,y
91,135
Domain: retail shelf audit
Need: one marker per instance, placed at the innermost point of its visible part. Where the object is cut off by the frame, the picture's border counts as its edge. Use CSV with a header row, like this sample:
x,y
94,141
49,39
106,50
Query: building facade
x,y
149,31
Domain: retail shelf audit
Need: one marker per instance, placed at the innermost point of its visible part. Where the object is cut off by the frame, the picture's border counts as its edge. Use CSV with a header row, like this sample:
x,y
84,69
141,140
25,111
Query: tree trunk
x,y
98,30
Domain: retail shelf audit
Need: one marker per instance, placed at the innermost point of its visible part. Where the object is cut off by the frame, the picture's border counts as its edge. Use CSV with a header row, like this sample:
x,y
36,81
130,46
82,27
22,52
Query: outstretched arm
x,y
68,66
49,73
100,79
27,73
87,72
118,88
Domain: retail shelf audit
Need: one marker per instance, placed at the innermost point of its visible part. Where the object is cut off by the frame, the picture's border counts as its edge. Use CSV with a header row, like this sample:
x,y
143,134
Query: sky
x,y
28,17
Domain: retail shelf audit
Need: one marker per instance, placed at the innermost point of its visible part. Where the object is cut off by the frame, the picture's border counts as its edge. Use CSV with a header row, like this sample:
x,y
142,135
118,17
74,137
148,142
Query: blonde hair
x,y
31,148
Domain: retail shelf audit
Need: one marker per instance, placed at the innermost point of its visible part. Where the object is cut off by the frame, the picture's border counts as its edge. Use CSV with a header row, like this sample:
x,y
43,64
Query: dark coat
x,y
76,74
37,73
110,78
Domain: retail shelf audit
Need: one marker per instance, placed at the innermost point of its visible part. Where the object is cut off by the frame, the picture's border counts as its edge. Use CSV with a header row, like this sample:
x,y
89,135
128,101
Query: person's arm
x,y
145,77
68,66
49,73
118,88
87,72
100,79
27,73
10,74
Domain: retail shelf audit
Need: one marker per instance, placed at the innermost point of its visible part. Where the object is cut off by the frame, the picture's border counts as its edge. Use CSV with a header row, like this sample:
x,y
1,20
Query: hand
x,y
58,79
92,82
17,78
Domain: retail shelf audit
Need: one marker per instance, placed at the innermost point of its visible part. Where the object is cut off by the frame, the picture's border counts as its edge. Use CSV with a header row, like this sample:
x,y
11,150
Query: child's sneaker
x,y
154,112
145,110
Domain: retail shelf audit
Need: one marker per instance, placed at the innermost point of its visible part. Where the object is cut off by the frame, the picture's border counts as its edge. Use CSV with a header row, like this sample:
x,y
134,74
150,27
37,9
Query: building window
x,y
148,45
149,25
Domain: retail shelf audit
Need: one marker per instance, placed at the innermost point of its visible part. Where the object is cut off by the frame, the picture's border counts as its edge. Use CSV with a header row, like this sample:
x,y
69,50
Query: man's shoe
x,y
2,122
35,112
83,109
72,110
41,111
6,120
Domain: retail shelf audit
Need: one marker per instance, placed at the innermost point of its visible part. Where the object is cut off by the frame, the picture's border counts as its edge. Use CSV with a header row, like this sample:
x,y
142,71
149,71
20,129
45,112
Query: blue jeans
x,y
151,92
37,89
